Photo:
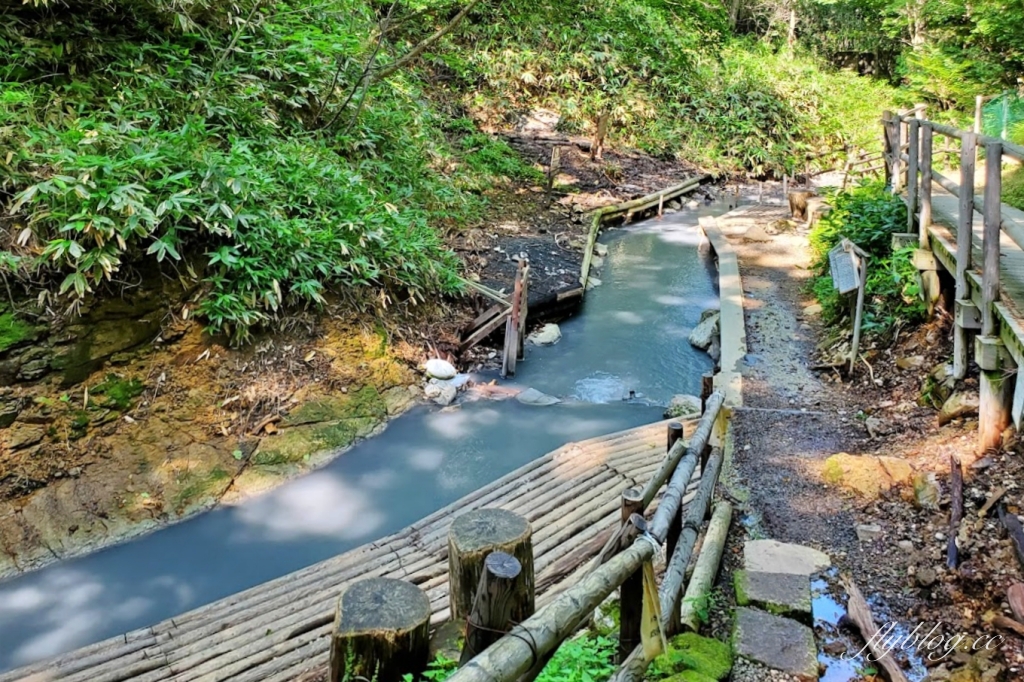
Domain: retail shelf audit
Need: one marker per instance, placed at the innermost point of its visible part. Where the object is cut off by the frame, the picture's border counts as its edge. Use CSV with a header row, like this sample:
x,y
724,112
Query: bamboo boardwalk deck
x,y
280,630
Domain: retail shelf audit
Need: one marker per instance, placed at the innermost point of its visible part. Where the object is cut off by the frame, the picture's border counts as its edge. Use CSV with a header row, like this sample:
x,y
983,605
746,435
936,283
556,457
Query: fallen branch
x,y
956,511
1009,624
991,502
860,613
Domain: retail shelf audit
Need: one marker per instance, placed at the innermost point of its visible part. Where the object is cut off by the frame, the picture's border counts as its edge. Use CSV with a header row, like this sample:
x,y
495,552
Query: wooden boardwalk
x,y
280,630
1010,308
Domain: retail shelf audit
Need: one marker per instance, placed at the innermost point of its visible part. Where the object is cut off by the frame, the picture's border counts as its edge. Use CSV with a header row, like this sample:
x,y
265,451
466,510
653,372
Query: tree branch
x,y
421,47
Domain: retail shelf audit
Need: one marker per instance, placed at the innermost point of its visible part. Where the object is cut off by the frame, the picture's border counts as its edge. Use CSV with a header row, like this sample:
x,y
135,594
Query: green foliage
x,y
868,215
1013,187
13,331
153,132
703,657
117,392
491,157
583,659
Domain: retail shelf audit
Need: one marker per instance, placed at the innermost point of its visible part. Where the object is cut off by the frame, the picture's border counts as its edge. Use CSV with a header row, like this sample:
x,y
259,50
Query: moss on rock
x,y
707,657
690,676
13,331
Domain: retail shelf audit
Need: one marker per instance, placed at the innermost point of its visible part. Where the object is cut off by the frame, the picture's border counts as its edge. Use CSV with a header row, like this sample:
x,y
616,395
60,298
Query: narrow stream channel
x,y
631,336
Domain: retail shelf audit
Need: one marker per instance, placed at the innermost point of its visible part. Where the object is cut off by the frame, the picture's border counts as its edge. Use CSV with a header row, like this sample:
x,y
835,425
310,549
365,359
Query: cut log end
x,y
471,539
381,631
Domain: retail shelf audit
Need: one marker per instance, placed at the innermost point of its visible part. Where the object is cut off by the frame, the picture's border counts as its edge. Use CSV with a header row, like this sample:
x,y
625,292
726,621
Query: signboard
x,y
843,266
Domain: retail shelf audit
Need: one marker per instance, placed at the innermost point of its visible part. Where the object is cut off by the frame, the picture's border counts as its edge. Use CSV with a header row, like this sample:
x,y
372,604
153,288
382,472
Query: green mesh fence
x,y
1003,116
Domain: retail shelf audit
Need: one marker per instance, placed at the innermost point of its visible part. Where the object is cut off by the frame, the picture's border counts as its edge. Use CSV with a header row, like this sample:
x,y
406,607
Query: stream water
x,y
630,336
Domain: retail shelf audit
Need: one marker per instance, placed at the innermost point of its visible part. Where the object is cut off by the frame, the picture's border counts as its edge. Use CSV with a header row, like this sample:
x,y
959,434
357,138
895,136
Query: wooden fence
x,y
522,653
909,144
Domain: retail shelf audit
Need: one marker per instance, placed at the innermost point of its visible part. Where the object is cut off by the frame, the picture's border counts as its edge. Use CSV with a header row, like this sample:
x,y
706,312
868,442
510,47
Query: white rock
x,y
548,335
532,396
692,204
771,556
704,332
439,369
600,249
682,405
441,393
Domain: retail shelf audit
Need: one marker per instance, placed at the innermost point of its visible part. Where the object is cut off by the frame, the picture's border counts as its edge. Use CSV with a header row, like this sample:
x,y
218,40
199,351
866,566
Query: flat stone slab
x,y
784,594
771,556
776,642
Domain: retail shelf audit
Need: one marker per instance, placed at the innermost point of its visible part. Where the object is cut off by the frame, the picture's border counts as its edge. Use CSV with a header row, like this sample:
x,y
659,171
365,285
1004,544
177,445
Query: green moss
x,y
707,657
366,402
609,611
13,331
739,583
196,485
117,393
690,676
832,472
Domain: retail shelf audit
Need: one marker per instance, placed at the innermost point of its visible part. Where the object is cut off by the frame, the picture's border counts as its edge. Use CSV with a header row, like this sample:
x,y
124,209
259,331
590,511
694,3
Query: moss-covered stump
x,y
381,631
692,658
471,538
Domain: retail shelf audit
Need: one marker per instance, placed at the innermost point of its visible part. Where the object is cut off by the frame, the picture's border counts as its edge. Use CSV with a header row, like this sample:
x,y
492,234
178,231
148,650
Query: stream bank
x,y
131,417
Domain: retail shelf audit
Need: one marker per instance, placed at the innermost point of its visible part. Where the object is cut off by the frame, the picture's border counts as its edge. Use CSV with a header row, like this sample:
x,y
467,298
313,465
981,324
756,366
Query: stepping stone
x,y
771,556
784,594
775,642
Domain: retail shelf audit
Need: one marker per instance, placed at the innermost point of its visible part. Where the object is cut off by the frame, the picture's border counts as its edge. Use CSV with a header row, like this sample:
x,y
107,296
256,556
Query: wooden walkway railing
x,y
983,251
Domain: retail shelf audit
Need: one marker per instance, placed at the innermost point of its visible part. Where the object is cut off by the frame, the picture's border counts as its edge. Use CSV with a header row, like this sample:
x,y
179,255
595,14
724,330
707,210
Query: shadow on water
x,y
630,336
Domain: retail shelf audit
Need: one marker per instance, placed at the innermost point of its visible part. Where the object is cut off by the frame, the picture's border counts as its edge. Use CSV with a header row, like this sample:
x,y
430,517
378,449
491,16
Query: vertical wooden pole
x,y
996,394
994,413
887,146
964,237
498,597
897,152
707,387
993,222
925,193
912,164
631,592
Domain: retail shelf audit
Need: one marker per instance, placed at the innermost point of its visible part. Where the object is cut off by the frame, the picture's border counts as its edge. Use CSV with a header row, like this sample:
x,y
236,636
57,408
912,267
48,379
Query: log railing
x,y
521,654
909,143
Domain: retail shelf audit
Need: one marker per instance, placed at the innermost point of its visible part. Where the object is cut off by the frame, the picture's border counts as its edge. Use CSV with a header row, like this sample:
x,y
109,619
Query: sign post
x,y
848,264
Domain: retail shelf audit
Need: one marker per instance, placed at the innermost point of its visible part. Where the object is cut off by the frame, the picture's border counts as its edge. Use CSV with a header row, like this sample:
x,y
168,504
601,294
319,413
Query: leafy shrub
x,y
868,215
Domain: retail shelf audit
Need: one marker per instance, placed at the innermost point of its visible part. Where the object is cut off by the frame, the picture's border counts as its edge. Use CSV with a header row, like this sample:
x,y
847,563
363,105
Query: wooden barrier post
x,y
887,146
913,150
967,315
925,193
381,631
471,538
631,592
707,387
996,390
498,596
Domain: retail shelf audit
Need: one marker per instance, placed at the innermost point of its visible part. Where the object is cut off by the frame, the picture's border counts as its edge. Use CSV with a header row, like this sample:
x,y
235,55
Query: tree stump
x,y
471,538
381,631
497,597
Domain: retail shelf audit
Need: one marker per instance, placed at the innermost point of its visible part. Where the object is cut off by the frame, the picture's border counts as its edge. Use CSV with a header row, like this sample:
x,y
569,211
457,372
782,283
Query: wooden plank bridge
x,y
281,630
982,250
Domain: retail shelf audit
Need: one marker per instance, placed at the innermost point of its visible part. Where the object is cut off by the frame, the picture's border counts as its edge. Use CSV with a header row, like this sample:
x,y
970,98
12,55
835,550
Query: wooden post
x,y
964,236
497,598
471,538
631,592
524,305
912,155
994,412
508,365
381,631
706,568
707,387
897,152
887,146
993,222
925,192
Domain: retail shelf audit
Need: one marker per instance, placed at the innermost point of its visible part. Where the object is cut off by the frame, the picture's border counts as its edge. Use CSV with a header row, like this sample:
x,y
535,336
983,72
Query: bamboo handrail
x,y
518,652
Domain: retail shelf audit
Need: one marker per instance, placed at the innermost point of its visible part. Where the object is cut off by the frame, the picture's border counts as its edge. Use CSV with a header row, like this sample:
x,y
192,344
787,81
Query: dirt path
x,y
791,421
